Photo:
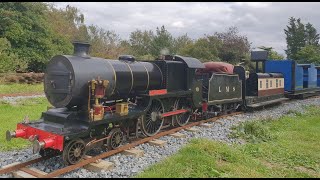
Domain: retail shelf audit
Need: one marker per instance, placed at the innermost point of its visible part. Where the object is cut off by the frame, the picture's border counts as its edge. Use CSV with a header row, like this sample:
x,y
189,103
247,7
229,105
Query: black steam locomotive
x,y
101,102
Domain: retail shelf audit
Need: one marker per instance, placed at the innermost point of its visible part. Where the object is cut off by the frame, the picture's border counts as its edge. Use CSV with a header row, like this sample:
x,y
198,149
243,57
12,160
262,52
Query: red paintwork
x,y
51,140
219,67
269,92
157,92
109,108
99,92
20,133
171,113
204,107
98,109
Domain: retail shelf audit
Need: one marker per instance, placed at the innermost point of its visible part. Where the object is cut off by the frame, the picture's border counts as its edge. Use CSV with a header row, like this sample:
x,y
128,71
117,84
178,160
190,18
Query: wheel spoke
x,y
74,152
151,126
116,138
182,119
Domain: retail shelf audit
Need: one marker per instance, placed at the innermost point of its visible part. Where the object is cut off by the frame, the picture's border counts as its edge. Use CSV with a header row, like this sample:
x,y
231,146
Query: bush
x,y
9,62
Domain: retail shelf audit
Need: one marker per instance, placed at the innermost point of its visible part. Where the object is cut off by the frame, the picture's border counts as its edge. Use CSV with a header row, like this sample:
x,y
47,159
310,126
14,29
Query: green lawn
x,y
11,114
291,149
21,88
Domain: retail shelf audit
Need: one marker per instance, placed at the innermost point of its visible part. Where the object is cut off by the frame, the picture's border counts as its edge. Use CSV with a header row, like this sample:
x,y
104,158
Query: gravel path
x,y
13,99
128,166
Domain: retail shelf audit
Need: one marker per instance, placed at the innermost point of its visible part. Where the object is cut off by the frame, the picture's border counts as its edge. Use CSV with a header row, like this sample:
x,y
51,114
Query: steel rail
x,y
22,165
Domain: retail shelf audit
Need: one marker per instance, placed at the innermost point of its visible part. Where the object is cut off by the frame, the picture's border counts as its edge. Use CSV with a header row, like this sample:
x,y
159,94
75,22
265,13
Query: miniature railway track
x,y
22,166
129,146
138,141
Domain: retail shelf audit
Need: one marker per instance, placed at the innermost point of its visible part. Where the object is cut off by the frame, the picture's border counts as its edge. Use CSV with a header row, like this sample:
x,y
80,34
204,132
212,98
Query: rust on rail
x,y
21,165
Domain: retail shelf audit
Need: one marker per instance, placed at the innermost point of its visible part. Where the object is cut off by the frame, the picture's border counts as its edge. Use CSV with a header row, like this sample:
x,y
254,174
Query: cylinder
x,y
66,79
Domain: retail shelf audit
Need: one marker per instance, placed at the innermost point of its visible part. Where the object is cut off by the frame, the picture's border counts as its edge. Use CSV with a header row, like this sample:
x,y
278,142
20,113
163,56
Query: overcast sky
x,y
261,22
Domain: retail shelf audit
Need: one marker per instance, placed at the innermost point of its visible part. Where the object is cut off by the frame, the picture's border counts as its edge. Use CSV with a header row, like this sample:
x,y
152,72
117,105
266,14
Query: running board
x,y
267,103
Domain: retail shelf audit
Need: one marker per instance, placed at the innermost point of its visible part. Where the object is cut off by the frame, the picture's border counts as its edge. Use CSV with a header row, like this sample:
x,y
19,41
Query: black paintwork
x,y
221,88
66,78
259,55
242,76
192,63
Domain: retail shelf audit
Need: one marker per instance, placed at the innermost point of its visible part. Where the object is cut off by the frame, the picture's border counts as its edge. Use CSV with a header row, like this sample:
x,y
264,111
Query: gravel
x,y
128,166
12,100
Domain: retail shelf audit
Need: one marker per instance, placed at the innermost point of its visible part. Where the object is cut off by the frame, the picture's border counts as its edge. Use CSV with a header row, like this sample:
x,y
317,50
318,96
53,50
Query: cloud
x,y
262,22
178,24
254,4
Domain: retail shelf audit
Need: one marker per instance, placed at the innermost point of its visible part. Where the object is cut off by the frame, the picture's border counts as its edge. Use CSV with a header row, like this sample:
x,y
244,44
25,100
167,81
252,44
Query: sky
x,y
262,22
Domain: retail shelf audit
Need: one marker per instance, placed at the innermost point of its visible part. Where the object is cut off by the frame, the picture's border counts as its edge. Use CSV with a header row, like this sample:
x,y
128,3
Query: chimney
x,y
81,49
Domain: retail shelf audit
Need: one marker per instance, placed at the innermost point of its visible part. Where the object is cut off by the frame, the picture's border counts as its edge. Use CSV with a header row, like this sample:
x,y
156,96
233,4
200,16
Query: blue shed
x,y
309,75
312,76
293,74
318,75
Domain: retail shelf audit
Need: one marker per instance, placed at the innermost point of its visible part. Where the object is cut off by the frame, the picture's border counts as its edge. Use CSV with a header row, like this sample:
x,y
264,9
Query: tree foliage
x,y
300,38
162,42
205,49
24,25
9,61
31,33
140,42
104,43
312,37
181,42
309,54
234,47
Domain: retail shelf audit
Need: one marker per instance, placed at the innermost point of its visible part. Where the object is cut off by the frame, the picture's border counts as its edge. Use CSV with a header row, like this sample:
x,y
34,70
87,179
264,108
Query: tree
x,y
140,42
65,22
295,37
301,40
205,49
180,42
312,37
104,43
235,47
9,62
82,34
25,26
272,54
162,42
309,54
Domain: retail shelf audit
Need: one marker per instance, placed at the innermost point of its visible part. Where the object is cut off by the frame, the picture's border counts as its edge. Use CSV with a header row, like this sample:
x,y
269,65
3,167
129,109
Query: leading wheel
x,y
116,138
182,119
151,122
73,151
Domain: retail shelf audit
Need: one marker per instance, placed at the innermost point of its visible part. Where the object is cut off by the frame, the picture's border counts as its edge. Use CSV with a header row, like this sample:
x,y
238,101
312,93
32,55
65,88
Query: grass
x,y
253,131
21,88
11,114
287,147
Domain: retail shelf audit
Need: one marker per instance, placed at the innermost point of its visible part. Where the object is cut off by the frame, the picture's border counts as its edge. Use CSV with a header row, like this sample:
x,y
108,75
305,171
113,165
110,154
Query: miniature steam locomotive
x,y
102,102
